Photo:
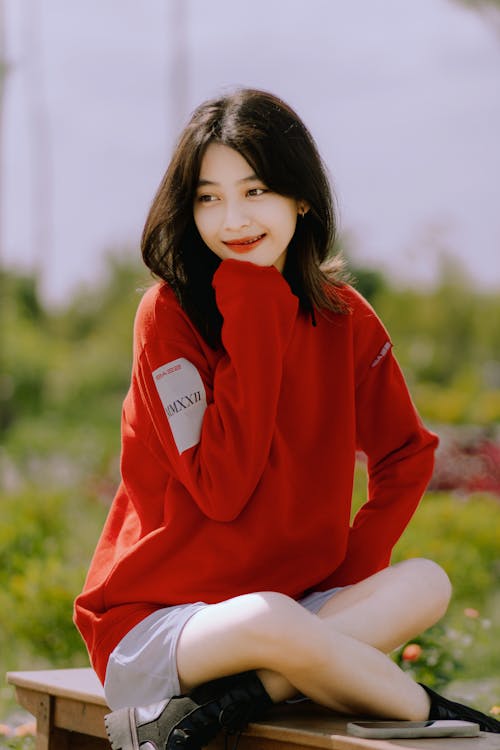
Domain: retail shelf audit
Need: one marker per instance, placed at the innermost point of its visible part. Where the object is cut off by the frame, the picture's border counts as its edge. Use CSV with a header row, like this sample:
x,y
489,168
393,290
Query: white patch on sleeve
x,y
381,354
183,396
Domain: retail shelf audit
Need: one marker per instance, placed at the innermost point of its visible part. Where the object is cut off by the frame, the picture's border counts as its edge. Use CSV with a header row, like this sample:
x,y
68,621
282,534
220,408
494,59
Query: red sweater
x,y
237,464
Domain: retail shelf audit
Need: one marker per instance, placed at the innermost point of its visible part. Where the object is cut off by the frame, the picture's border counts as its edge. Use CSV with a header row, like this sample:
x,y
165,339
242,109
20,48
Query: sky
x,y
402,97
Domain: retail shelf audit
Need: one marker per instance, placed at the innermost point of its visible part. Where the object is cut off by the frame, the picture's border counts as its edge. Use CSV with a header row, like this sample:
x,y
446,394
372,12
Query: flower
x,y
471,612
412,652
495,710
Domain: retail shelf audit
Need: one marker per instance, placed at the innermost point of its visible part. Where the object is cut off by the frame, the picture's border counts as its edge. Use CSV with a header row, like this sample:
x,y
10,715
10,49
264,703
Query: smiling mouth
x,y
244,244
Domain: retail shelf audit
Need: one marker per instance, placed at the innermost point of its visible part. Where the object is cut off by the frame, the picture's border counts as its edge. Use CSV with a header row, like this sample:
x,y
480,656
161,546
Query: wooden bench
x,y
69,708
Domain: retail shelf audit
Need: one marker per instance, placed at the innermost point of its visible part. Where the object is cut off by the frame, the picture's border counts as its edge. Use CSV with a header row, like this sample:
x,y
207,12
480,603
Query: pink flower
x,y
471,612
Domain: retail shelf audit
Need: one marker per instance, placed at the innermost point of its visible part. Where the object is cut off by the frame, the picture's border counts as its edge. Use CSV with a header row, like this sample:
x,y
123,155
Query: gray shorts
x,y
142,669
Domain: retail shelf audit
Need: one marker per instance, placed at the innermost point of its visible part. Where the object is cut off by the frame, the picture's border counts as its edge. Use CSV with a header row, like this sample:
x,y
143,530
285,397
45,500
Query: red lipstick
x,y
244,244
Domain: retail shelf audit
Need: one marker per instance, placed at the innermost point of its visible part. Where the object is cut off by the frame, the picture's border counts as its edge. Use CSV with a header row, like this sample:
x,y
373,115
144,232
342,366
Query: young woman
x,y
228,576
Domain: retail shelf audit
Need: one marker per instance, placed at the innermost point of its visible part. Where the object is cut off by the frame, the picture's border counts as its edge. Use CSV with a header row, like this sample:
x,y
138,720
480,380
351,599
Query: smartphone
x,y
401,729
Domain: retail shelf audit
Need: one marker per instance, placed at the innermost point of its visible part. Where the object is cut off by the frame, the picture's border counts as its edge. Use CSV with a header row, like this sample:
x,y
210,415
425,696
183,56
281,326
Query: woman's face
x,y
237,215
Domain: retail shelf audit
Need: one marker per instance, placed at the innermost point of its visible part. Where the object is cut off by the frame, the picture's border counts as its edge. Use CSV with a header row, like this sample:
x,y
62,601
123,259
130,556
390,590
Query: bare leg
x,y
392,606
384,611
317,655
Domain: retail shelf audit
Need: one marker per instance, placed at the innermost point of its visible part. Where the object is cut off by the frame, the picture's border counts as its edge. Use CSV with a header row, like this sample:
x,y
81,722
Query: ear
x,y
302,208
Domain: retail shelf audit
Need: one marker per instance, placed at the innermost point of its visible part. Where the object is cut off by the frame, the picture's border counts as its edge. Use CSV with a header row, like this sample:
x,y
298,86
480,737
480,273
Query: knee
x,y
268,614
277,623
433,583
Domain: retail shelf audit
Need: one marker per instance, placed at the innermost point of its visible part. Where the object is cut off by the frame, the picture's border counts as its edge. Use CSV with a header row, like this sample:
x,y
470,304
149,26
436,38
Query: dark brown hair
x,y
280,149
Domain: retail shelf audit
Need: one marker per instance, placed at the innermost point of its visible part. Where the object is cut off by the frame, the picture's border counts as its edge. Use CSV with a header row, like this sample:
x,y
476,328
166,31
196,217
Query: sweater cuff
x,y
234,277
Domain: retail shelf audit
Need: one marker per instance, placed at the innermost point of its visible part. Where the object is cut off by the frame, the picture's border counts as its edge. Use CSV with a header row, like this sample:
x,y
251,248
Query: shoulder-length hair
x,y
277,145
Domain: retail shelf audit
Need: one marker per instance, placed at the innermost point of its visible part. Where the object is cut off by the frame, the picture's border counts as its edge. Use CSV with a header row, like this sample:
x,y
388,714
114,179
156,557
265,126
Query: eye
x,y
255,192
206,198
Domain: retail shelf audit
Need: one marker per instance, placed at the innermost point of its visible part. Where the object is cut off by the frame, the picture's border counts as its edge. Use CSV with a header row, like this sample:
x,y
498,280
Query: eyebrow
x,y
250,178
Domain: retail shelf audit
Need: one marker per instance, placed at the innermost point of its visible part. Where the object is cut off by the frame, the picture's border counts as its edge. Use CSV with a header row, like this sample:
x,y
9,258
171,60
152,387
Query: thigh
x,y
392,606
247,632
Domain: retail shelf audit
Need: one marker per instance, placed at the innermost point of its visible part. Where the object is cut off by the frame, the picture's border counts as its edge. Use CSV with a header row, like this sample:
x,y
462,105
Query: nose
x,y
236,216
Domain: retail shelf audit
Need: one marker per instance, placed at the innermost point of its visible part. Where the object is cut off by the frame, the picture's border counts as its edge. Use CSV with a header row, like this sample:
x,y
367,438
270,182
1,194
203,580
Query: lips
x,y
244,244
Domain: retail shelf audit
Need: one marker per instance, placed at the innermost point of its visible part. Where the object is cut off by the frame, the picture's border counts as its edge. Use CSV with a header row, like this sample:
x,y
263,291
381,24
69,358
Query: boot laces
x,y
195,731
234,717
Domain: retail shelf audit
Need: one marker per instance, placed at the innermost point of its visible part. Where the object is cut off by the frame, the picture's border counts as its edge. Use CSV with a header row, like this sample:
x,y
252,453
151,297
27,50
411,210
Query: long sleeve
x,y
216,428
399,450
400,454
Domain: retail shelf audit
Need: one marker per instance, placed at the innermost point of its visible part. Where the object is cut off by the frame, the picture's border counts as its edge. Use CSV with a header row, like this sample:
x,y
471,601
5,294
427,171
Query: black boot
x,y
191,722
442,708
242,698
176,724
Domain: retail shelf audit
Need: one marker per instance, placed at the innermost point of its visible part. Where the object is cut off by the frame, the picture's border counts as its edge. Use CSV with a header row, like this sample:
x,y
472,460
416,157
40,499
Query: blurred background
x,y
403,99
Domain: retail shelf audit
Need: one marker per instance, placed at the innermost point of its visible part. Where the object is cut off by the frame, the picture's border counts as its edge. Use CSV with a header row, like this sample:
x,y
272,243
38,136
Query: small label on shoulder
x,y
381,354
183,396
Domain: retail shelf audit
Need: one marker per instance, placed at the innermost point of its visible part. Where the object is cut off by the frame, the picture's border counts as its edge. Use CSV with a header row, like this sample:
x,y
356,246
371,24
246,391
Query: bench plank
x,y
69,707
81,684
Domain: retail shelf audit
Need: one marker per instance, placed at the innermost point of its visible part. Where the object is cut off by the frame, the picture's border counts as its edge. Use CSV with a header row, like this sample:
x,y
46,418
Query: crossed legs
x,y
337,657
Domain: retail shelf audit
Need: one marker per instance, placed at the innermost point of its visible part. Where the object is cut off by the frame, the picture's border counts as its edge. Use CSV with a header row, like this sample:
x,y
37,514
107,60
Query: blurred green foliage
x,y
447,340
482,5
461,534
44,543
442,651
66,368
64,373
